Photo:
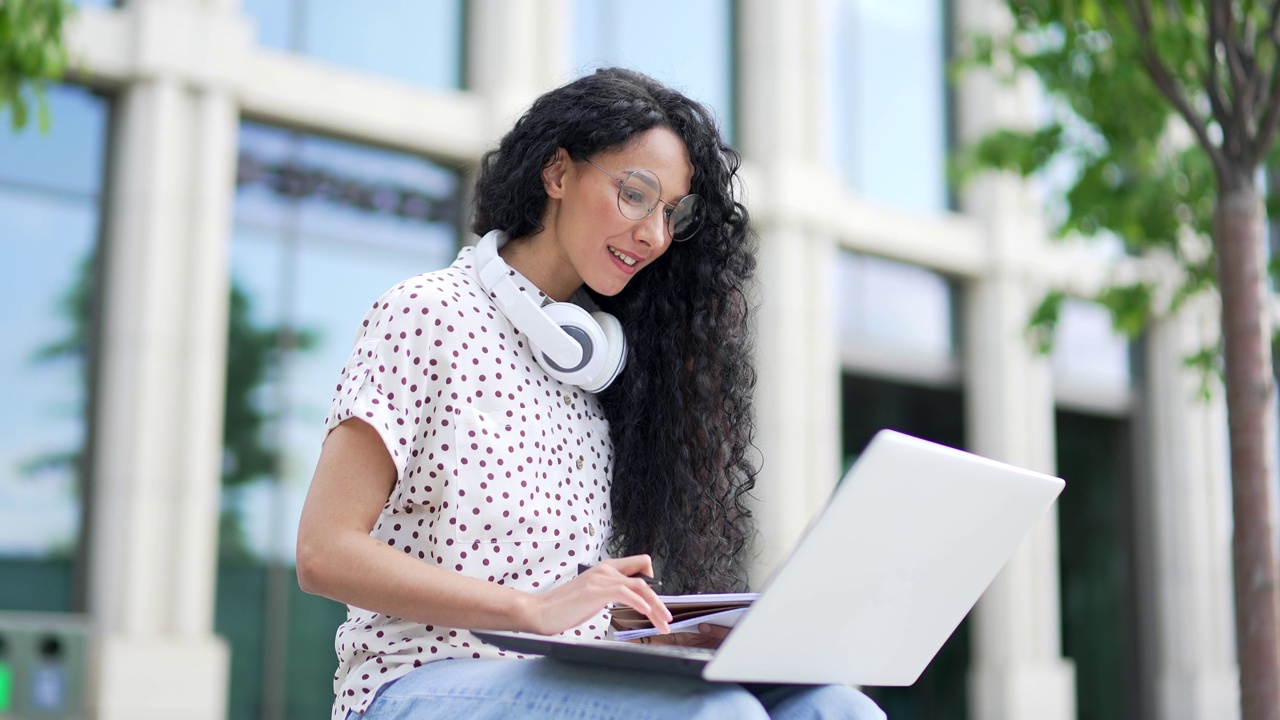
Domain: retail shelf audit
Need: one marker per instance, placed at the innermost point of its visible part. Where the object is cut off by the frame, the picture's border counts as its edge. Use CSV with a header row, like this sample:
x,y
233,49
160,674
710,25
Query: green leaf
x,y
32,54
1129,305
1044,321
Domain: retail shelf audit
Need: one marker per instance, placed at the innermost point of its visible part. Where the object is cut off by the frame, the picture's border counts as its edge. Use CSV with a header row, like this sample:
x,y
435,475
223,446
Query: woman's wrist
x,y
520,612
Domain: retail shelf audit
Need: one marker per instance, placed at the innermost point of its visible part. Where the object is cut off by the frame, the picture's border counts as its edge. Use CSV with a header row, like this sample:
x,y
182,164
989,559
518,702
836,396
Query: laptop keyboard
x,y
679,651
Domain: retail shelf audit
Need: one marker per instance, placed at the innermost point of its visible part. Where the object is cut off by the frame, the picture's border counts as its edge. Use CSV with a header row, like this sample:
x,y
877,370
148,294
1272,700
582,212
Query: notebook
x,y
906,544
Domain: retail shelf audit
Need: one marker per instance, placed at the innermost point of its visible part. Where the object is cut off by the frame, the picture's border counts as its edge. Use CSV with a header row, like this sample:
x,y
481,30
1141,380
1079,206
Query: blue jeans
x,y
547,690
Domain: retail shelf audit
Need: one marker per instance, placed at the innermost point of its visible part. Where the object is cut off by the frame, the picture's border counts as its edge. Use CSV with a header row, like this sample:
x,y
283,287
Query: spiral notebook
x,y
907,543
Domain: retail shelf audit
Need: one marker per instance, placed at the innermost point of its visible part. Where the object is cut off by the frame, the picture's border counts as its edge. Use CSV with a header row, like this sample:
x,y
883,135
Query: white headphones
x,y
569,343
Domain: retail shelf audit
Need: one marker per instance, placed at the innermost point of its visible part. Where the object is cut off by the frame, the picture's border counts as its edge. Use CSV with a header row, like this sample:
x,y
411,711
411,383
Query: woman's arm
x,y
337,558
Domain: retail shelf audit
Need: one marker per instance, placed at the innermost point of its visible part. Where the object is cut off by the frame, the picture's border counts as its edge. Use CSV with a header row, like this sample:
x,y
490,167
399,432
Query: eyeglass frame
x,y
622,182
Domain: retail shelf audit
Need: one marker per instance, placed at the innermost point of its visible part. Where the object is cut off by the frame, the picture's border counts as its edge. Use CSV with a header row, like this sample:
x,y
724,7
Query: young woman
x,y
576,389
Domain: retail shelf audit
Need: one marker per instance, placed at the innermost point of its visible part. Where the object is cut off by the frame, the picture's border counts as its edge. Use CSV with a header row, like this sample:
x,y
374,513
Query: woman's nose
x,y
652,230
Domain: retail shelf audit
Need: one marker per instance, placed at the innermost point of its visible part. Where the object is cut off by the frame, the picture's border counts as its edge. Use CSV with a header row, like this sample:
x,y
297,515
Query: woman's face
x,y
600,247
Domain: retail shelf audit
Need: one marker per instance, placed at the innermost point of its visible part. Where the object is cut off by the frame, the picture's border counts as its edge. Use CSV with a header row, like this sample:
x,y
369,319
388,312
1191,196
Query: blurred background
x,y
227,185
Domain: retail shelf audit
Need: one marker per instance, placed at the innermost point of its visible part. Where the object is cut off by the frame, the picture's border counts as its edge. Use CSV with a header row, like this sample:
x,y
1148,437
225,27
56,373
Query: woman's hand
x,y
608,582
708,636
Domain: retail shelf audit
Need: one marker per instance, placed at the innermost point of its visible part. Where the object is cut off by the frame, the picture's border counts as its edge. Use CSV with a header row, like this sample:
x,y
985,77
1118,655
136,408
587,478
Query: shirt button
x,y
591,529
568,400
579,463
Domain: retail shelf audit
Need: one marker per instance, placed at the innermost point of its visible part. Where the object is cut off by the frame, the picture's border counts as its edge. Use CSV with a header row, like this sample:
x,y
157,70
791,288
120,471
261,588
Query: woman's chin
x,y
609,287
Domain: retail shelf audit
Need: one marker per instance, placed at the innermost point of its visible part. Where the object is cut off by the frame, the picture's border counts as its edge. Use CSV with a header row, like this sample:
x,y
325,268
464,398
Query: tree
x,y
32,54
1169,112
254,356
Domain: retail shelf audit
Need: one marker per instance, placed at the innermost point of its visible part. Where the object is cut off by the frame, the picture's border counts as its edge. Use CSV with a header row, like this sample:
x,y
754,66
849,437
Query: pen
x,y
651,582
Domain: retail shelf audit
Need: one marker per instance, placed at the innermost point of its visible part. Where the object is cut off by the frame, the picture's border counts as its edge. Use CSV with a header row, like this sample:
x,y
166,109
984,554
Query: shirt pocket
x,y
508,490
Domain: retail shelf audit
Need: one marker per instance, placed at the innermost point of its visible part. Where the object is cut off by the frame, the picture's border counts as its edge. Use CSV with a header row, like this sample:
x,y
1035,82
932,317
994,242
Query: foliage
x,y
254,356
1135,172
1166,114
32,54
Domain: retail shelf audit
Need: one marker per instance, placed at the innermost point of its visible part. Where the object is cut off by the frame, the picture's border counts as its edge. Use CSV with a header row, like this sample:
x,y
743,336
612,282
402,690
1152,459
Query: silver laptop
x,y
907,543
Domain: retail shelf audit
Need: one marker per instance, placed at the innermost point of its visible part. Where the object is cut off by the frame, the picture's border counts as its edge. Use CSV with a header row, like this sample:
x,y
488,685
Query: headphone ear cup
x,y
616,357
579,325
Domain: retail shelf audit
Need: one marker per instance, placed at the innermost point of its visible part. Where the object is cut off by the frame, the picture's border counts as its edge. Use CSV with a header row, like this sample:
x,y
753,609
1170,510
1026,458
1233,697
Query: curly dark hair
x,y
680,414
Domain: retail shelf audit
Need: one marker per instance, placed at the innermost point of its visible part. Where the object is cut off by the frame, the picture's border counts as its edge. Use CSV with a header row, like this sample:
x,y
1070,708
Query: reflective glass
x,y
322,229
416,40
50,187
687,44
1087,350
888,110
892,305
68,159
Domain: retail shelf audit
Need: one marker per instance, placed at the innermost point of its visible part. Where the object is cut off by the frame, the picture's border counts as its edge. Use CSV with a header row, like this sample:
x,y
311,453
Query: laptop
x,y
907,543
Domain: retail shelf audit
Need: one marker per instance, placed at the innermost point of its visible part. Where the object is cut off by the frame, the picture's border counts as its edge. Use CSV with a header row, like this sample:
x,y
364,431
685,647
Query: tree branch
x,y
1218,99
1140,15
1236,129
1235,66
1269,105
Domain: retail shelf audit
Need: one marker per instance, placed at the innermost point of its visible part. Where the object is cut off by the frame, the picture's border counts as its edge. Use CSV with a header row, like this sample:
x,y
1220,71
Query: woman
x,y
489,434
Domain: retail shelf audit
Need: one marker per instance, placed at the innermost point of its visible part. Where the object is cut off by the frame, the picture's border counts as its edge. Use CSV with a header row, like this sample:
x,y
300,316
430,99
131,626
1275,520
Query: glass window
x,y
888,109
1102,628
868,406
416,40
894,306
50,210
322,229
1087,350
687,44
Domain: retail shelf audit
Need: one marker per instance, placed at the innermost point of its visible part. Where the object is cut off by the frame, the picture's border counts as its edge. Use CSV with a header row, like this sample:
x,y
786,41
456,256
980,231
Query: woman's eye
x,y
633,196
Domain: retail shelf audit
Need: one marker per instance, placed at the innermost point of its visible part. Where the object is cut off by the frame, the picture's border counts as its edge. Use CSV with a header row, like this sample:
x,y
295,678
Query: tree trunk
x,y
1239,238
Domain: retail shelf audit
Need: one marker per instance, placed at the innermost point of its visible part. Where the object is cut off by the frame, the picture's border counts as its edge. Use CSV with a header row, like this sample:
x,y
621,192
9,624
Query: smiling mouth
x,y
626,259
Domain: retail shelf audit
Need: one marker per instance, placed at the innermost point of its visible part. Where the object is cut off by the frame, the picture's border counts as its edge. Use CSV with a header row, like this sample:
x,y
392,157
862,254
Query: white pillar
x,y
1017,671
158,422
518,49
1187,553
798,392
797,359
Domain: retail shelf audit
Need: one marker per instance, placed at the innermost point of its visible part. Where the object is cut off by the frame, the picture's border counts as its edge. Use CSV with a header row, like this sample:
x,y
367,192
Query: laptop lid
x,y
909,540
906,545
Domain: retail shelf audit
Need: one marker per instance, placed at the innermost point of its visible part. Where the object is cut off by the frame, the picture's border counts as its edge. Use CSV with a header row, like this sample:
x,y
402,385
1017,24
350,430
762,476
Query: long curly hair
x,y
681,412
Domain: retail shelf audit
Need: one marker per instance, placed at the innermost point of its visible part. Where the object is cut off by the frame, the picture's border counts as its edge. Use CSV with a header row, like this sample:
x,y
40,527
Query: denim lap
x,y
542,689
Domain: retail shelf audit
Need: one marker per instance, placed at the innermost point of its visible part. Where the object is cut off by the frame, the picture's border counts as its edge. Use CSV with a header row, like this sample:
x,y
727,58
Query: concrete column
x,y
798,395
518,49
797,360
162,362
1017,671
1187,551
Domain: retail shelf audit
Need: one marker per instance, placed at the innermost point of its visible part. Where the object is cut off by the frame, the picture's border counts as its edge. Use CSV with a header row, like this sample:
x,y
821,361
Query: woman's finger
x,y
637,601
631,565
652,598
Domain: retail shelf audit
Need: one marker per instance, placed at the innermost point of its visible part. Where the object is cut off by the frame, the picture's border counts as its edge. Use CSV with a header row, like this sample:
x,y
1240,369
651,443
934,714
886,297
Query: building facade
x,y
216,166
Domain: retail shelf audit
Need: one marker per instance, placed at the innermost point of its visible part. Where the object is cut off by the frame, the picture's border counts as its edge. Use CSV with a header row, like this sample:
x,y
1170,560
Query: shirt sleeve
x,y
375,386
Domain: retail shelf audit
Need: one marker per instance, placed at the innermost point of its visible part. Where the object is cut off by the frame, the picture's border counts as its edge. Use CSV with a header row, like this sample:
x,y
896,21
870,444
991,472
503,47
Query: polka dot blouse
x,y
503,472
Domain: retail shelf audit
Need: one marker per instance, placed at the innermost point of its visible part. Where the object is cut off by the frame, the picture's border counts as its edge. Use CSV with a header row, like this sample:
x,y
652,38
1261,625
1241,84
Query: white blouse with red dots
x,y
503,473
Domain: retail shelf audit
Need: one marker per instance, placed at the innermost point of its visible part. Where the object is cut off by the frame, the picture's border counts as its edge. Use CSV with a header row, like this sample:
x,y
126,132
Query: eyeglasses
x,y
641,191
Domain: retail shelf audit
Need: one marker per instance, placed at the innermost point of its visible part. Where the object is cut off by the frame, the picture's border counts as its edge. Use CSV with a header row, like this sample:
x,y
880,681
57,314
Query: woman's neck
x,y
538,258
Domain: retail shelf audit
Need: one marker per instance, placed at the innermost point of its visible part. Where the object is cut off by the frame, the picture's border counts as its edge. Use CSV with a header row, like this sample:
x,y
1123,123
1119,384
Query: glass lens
x,y
638,194
685,218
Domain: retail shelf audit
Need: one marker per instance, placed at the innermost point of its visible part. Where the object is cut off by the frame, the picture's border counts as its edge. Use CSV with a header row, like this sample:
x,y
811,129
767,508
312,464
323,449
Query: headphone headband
x,y
572,345
522,310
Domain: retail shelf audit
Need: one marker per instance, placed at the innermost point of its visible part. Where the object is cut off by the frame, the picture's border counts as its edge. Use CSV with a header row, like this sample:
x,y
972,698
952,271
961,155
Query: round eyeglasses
x,y
641,191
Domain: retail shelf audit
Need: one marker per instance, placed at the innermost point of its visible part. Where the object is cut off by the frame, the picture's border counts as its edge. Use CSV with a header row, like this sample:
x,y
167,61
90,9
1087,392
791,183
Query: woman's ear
x,y
553,173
